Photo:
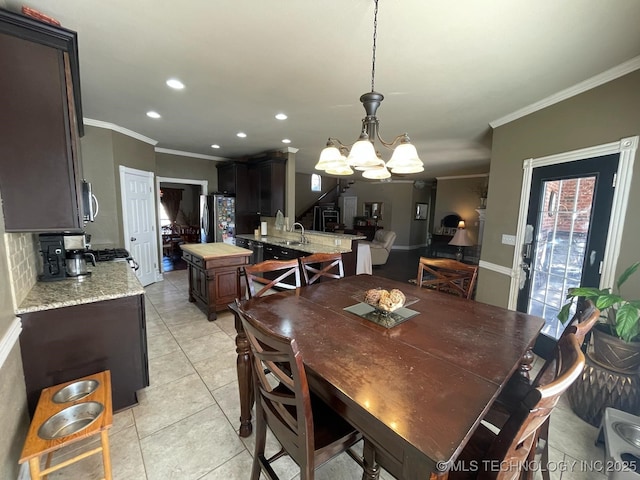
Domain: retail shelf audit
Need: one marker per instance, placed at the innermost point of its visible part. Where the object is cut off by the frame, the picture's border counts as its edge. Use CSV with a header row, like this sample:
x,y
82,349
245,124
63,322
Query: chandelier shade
x,y
363,155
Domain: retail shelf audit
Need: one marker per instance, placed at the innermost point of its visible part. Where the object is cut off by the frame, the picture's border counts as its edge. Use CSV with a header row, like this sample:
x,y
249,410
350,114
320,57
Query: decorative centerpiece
x,y
384,300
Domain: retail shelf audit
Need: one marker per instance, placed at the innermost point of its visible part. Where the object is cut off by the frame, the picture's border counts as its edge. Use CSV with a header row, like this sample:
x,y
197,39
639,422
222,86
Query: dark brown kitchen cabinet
x,y
271,181
63,344
214,279
41,121
259,185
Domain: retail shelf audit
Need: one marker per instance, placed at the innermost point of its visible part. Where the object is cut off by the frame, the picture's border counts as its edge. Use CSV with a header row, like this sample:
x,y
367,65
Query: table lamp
x,y
461,239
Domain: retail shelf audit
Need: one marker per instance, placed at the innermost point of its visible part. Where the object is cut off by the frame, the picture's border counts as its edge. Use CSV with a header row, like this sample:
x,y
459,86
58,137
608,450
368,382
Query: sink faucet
x,y
302,237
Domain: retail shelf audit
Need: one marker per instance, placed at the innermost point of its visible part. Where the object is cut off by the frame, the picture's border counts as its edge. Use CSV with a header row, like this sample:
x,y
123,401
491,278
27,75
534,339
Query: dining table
x,y
416,382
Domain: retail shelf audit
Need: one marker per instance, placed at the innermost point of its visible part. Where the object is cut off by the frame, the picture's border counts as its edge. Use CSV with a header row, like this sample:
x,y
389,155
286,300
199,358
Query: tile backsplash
x,y
22,250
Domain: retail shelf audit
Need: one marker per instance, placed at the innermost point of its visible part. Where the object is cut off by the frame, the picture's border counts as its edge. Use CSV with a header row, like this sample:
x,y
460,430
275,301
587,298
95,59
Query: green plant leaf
x,y
627,322
626,274
588,292
607,301
563,314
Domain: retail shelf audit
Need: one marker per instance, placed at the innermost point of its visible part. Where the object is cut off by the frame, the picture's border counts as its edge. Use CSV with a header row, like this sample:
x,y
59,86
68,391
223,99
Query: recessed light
x,y
281,116
153,114
215,145
175,84
286,140
241,135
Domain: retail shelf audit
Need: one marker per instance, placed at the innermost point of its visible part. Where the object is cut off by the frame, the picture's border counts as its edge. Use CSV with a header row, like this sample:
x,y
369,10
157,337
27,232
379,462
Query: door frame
x,y
627,148
152,214
204,187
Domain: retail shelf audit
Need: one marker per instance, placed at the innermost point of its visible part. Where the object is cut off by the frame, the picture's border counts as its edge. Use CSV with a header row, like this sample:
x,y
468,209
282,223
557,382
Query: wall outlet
x,y
508,239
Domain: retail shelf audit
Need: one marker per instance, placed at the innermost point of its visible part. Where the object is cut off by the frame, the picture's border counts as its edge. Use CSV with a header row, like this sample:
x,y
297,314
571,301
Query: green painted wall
x,y
602,115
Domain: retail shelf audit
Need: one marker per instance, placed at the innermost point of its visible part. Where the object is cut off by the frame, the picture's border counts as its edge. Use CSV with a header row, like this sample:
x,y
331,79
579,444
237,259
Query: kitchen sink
x,y
290,242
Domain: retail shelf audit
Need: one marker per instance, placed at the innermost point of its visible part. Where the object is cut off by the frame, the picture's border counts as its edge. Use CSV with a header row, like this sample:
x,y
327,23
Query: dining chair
x,y
321,266
447,275
281,269
502,455
585,317
308,430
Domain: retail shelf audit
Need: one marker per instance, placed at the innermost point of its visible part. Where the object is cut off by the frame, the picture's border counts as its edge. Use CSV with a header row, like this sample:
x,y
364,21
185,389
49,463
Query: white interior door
x,y
349,210
139,221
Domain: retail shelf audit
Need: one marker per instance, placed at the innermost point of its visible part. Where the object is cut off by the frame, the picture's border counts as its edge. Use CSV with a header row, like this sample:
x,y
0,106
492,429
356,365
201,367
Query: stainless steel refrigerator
x,y
217,218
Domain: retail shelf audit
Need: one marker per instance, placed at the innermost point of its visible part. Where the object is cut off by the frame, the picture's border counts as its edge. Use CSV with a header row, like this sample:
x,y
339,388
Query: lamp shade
x,y
329,156
379,173
404,155
363,154
461,239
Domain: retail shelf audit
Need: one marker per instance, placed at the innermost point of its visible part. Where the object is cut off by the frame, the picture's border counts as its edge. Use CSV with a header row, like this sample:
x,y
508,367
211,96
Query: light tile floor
x,y
184,426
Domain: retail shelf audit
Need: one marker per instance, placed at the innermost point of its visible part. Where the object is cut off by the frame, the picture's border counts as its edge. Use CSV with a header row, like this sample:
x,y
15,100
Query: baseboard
x,y
9,339
25,472
496,268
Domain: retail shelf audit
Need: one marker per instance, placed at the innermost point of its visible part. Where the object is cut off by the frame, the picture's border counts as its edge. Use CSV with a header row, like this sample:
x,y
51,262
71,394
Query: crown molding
x,y
458,177
290,150
595,81
119,129
189,154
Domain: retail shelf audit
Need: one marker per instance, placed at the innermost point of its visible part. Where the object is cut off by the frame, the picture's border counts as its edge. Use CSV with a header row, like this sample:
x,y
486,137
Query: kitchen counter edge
x,y
108,280
307,247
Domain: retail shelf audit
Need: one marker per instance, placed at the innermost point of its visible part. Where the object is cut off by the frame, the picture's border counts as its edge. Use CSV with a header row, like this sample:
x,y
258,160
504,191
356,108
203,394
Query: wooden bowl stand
x,y
35,446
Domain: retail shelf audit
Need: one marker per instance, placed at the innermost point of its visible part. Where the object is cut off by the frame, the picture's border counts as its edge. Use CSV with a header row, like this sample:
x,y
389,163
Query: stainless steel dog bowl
x,y
629,432
75,391
70,420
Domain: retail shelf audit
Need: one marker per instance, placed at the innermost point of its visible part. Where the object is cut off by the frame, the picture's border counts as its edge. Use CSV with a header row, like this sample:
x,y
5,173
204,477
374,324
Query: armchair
x,y
381,246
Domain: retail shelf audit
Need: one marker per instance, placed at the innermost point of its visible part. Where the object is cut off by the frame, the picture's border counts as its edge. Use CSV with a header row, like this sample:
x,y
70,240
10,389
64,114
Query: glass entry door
x,y
567,225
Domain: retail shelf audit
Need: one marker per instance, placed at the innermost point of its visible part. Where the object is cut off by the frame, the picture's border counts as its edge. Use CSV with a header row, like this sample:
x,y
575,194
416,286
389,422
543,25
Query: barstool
x,y
65,414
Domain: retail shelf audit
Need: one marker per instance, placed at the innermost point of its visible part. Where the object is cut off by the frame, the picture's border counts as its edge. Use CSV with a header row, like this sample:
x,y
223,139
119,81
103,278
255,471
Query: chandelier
x,y
337,159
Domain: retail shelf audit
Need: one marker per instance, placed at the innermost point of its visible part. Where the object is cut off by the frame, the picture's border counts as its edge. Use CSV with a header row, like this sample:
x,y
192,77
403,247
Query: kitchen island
x,y
77,327
214,275
284,245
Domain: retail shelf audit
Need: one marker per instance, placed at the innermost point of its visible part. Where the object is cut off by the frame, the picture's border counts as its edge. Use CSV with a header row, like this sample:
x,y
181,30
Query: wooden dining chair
x,y
321,266
502,455
516,389
308,430
447,275
281,269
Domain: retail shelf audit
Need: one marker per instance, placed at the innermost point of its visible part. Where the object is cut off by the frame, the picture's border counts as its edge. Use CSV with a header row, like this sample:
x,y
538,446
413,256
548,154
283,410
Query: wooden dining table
x,y
417,390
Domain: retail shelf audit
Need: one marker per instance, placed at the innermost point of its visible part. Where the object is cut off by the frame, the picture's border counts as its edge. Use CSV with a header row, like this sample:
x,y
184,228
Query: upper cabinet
x,y
271,185
259,186
41,121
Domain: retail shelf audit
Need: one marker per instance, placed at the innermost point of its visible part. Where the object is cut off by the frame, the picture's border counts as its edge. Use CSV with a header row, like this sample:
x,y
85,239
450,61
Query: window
x,y
316,182
164,218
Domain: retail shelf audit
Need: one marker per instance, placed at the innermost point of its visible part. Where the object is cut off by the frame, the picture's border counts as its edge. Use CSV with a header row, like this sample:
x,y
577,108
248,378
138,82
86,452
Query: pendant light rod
x,y
373,50
338,158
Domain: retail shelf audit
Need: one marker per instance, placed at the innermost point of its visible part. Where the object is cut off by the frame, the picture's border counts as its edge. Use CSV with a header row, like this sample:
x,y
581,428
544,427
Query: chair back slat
x,y
321,266
447,275
286,269
281,386
517,437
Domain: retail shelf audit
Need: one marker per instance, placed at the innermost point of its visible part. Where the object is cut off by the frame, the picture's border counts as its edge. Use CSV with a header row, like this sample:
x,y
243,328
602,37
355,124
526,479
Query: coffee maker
x,y
53,257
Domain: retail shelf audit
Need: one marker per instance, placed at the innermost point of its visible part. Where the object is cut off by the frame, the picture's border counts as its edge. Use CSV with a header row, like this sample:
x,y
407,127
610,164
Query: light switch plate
x,y
508,239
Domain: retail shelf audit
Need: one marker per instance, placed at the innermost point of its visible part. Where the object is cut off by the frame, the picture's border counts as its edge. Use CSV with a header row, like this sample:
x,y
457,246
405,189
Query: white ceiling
x,y
446,68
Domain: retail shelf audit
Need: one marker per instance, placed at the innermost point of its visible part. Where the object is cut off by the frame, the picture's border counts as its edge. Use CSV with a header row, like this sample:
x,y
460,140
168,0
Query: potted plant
x,y
616,340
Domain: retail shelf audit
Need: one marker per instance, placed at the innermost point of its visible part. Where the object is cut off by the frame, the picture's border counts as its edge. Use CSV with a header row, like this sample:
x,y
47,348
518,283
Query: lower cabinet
x,y
215,283
63,344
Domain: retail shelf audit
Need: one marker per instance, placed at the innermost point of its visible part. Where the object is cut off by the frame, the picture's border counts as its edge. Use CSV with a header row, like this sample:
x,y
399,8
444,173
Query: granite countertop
x,y
108,280
207,251
306,247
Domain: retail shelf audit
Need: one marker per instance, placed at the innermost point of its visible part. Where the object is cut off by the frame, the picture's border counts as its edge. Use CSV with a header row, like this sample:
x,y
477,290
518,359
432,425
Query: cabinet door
x,y
67,343
226,178
272,186
39,166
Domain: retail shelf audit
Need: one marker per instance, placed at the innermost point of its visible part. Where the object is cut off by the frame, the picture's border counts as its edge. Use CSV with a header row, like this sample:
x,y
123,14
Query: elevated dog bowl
x,y
70,420
75,391
628,432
